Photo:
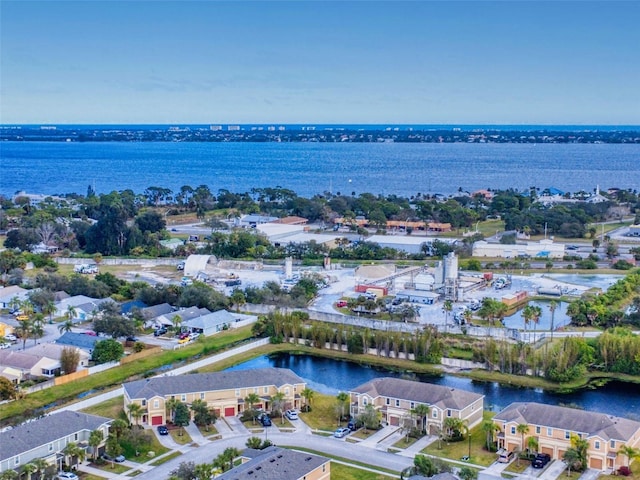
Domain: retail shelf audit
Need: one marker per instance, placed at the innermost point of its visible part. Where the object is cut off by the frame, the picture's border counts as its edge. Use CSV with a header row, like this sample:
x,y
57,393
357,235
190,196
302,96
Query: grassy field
x,y
88,476
116,376
156,447
346,472
111,467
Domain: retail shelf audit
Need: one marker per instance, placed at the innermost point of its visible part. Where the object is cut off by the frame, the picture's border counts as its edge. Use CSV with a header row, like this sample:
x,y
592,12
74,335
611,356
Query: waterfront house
x,y
224,392
553,427
281,464
394,398
47,437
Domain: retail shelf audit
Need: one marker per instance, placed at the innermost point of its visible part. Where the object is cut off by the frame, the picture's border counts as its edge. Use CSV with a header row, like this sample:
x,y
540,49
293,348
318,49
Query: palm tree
x,y
341,400
572,458
65,327
171,405
251,399
95,439
204,471
37,327
73,451
629,452
522,429
230,454
70,313
277,404
527,315
489,428
177,322
9,475
536,314
49,308
307,394
135,411
552,308
532,444
118,427
423,411
41,465
29,469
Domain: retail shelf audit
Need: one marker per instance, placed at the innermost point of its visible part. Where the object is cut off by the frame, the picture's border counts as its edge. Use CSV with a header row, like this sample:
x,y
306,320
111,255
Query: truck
x,y
88,268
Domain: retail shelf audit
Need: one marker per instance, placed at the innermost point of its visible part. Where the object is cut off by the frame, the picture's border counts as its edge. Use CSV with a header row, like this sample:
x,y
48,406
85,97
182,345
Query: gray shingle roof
x,y
597,424
80,340
156,310
419,392
26,437
16,359
204,382
274,463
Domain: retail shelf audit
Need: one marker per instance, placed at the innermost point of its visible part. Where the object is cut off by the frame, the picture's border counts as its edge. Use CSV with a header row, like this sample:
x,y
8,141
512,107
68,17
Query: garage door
x,y
394,421
156,420
595,463
513,447
547,450
229,411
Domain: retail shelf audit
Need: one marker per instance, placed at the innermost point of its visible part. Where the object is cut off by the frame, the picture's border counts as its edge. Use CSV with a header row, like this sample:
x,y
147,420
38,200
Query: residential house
x,y
54,351
394,398
292,220
47,437
553,427
12,293
212,323
151,313
80,340
26,366
252,220
224,392
184,315
84,307
275,463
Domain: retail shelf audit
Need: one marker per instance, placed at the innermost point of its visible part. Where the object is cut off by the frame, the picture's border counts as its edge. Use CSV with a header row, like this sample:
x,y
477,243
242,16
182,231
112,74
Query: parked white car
x,y
291,414
4,345
10,337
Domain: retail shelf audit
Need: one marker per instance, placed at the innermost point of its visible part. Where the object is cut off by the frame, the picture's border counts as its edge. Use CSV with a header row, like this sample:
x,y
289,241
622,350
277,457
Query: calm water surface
x,y
310,168
331,376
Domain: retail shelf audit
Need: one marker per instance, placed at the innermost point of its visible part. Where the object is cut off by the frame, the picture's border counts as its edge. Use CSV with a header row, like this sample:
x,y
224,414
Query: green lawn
x,y
518,467
346,472
165,459
322,415
180,436
156,447
112,467
457,450
403,443
88,476
110,408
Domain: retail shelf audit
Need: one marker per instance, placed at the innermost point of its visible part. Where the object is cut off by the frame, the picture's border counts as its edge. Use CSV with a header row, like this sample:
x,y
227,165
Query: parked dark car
x,y
131,338
159,331
352,424
162,430
183,335
265,420
541,460
109,458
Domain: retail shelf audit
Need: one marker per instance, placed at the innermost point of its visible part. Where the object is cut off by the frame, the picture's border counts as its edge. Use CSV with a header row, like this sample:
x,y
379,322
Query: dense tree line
x,y
426,345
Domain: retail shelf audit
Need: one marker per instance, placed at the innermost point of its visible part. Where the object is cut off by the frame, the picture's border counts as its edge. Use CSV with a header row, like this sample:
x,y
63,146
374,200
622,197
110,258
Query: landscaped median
x,y
61,394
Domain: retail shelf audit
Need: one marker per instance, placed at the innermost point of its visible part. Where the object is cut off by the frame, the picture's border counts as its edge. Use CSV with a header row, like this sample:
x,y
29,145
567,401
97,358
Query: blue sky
x,y
211,62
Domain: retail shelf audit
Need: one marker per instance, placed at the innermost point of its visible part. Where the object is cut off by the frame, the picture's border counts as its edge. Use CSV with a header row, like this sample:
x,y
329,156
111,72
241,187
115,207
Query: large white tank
x,y
451,266
288,268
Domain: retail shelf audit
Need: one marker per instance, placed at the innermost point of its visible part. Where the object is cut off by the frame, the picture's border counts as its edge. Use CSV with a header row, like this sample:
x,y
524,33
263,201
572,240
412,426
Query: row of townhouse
x,y
224,392
395,398
47,437
553,427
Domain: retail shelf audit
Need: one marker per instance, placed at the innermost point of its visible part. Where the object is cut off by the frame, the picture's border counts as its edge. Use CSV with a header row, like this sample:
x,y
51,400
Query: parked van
x,y
504,456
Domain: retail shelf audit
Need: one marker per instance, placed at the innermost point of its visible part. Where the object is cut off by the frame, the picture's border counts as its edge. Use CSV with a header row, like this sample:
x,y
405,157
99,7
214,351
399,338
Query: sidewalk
x,y
193,431
412,450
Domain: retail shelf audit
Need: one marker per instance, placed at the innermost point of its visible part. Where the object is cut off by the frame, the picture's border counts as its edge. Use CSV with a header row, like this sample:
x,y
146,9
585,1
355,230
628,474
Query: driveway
x,y
553,470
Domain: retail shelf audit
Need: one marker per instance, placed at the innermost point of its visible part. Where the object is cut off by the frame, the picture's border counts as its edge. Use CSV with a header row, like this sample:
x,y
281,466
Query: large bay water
x,y
331,376
309,168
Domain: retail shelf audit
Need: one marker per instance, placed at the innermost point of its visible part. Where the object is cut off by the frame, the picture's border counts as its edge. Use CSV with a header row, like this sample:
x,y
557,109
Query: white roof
x,y
398,239
279,230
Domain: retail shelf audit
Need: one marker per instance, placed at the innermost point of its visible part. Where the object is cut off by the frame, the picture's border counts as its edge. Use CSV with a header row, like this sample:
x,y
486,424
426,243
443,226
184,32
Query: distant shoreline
x,y
529,134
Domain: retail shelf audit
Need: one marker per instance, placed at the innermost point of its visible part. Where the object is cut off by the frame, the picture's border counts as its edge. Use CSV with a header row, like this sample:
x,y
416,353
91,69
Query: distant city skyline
x,y
309,62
